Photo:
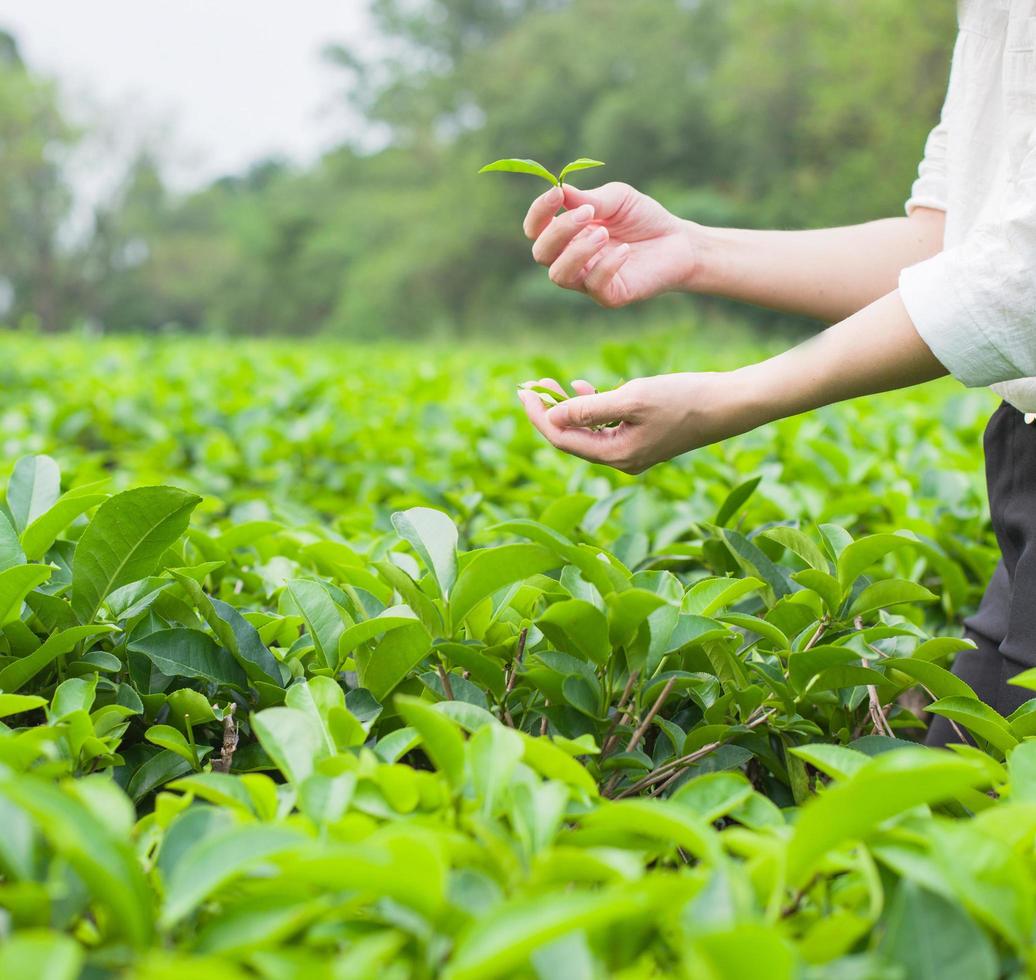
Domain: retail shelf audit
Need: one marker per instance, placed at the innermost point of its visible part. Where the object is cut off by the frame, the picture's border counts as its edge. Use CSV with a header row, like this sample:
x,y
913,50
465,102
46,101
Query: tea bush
x,y
316,663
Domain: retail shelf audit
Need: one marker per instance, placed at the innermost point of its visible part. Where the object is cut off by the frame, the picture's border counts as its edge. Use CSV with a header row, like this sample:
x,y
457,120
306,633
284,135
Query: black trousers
x,y
1004,627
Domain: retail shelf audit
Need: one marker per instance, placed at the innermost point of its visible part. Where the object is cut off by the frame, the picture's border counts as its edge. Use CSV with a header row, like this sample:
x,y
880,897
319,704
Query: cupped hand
x,y
612,243
658,418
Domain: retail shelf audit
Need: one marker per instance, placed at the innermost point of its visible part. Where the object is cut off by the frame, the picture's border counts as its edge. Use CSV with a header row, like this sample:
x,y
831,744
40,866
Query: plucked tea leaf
x,y
519,166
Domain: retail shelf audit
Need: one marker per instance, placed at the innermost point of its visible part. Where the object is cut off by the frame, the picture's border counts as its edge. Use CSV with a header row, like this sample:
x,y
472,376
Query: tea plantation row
x,y
315,662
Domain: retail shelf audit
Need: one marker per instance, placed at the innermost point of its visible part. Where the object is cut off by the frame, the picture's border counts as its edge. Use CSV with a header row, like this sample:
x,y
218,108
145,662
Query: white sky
x,y
216,84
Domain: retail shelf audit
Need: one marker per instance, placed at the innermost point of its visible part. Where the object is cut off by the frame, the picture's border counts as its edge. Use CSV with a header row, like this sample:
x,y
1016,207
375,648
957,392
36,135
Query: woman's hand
x,y
875,350
659,418
612,243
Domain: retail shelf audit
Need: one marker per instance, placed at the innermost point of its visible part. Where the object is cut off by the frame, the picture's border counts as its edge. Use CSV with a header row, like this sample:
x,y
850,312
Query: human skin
x,y
620,246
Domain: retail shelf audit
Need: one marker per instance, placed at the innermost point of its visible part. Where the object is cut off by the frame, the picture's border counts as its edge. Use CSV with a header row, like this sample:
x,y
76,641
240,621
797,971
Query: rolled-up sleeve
x,y
974,304
931,189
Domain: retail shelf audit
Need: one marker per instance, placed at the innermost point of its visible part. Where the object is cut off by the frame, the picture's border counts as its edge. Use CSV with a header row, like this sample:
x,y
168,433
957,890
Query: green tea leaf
x,y
182,652
43,531
583,163
34,487
21,671
492,569
979,718
48,955
891,592
887,785
125,541
931,938
218,859
864,552
434,537
439,735
519,166
15,584
11,552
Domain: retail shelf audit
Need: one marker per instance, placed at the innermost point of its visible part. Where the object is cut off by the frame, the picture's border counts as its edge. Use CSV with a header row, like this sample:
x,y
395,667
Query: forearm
x,y
828,274
877,349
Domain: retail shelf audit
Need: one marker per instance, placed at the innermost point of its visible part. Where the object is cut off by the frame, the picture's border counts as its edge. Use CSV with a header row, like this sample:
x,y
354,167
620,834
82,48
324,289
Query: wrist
x,y
696,244
767,391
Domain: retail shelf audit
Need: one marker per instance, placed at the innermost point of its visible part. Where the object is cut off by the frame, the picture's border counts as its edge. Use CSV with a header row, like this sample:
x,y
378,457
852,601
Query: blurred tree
x,y
35,199
757,112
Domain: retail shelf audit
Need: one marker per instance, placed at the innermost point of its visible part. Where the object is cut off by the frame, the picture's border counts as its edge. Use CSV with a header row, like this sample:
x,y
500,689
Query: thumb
x,y
587,410
605,200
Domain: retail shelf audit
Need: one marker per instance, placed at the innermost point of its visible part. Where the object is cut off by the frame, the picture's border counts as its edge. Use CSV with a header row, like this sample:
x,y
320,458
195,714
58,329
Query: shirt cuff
x,y
922,200
930,295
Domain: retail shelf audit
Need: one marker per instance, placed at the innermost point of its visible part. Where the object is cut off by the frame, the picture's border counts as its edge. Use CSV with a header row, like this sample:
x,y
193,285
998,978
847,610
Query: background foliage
x,y
316,662
792,113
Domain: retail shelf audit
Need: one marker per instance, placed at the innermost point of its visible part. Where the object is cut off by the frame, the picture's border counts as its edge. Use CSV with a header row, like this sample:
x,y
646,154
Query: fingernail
x,y
598,235
583,214
556,195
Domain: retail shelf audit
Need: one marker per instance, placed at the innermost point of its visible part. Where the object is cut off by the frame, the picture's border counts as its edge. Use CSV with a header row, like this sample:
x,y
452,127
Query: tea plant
x,y
519,166
398,692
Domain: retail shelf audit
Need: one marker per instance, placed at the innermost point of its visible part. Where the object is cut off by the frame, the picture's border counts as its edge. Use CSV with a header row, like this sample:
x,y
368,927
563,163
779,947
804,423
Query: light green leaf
x,y
219,858
395,656
125,542
735,500
106,863
324,620
35,486
169,738
937,679
492,569
519,166
661,820
11,553
577,627
835,761
15,584
554,763
824,585
1021,765
500,941
43,955
864,552
23,670
387,620
979,718
891,592
15,704
440,737
292,739
583,163
889,784
748,949
43,531
796,542
932,938
708,596
433,536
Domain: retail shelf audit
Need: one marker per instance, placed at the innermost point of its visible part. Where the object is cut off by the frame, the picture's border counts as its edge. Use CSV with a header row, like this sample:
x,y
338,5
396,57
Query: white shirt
x,y
974,303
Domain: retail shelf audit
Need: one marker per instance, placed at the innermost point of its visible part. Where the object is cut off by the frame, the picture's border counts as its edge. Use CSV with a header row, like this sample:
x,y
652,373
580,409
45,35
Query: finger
x,y
561,230
593,446
586,410
581,387
599,280
568,268
606,200
541,211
